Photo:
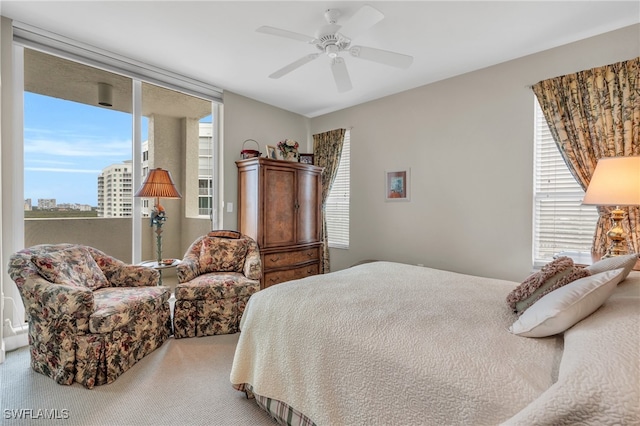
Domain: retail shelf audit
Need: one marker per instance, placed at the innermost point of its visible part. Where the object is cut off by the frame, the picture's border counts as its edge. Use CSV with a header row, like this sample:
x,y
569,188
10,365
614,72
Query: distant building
x,y
145,206
27,205
205,166
74,206
46,203
115,191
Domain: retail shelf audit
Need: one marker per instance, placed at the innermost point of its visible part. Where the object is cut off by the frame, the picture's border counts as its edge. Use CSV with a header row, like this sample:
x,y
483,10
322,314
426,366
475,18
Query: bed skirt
x,y
281,412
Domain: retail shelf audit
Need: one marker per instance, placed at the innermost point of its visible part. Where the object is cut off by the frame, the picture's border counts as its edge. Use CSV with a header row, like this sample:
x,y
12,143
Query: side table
x,y
159,266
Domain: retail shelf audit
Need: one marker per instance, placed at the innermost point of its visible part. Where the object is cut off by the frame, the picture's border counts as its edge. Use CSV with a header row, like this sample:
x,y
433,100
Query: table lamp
x,y
158,184
615,182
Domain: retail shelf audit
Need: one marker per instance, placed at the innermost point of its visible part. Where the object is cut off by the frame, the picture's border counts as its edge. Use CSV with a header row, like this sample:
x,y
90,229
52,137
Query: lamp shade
x,y
615,182
158,184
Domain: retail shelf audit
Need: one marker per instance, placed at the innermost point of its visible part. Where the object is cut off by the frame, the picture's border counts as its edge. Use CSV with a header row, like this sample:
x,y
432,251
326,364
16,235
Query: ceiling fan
x,y
332,39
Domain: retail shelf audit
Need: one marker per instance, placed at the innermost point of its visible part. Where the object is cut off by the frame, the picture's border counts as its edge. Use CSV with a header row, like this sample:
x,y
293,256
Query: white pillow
x,y
562,308
627,262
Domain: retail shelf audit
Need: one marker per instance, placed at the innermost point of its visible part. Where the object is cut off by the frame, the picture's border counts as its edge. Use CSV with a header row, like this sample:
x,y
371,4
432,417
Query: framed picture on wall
x,y
271,152
397,185
306,158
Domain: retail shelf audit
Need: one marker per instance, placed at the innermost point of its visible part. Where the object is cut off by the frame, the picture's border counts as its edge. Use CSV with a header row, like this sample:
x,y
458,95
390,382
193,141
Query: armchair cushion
x,y
116,307
222,255
216,285
73,266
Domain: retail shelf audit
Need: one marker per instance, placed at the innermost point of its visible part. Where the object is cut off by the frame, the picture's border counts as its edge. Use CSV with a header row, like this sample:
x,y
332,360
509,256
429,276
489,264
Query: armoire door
x,y
308,211
279,210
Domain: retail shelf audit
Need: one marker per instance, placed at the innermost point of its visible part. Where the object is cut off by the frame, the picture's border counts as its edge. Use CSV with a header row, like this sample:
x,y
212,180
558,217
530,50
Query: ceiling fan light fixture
x,y
332,51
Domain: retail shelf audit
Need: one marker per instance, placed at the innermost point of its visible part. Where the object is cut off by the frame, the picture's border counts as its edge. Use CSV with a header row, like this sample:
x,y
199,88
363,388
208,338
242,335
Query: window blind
x,y
561,222
337,205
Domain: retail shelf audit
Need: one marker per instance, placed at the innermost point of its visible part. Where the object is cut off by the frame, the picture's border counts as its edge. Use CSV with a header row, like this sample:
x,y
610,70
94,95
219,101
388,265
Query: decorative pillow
x,y
626,262
73,266
222,255
553,275
564,307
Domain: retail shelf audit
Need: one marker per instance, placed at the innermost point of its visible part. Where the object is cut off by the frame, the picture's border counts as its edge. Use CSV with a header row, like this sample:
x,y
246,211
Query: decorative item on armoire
x,y
250,153
306,158
288,150
271,152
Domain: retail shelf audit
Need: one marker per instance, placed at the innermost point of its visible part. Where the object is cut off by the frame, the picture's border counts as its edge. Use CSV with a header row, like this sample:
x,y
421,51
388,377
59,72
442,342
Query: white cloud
x,y
61,170
78,148
46,161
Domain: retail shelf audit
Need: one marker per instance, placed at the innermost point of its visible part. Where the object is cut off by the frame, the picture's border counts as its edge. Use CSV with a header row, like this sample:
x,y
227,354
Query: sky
x,y
66,146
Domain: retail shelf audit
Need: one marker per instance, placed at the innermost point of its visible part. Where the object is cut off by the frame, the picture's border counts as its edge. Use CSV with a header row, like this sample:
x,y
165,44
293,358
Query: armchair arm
x,y
132,276
120,274
252,264
58,300
188,269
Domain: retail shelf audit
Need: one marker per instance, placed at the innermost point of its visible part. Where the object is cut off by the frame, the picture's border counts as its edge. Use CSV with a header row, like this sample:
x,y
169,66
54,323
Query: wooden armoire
x,y
279,205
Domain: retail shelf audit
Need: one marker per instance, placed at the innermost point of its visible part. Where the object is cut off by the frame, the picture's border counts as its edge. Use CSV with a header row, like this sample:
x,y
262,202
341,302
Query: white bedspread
x,y
599,378
386,343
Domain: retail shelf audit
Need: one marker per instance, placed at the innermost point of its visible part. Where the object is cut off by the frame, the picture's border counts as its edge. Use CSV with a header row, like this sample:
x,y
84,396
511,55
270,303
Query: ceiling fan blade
x,y
393,59
287,34
294,65
364,18
341,75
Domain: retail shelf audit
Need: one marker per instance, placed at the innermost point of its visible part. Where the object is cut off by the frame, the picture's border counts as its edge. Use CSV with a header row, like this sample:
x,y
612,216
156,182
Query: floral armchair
x,y
91,316
218,274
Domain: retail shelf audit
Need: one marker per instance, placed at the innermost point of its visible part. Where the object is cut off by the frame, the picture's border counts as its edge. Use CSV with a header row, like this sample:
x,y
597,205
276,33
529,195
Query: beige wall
x,y
244,119
469,143
111,235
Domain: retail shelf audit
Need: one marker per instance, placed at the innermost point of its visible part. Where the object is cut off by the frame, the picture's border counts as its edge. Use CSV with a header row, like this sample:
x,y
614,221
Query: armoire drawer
x,y
276,260
276,277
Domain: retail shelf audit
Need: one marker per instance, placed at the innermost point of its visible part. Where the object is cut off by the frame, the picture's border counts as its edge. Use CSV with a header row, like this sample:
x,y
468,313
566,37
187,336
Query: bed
x,y
387,343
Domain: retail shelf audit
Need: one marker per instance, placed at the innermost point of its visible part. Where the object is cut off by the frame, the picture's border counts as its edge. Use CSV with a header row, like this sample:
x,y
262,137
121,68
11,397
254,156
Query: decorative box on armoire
x,y
279,205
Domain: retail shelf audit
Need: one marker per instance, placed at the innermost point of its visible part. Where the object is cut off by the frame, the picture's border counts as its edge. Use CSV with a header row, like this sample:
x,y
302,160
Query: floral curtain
x,y
327,149
594,114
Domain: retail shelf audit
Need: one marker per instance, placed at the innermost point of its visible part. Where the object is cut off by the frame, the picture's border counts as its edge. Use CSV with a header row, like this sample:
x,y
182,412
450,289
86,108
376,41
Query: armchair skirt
x,y
211,304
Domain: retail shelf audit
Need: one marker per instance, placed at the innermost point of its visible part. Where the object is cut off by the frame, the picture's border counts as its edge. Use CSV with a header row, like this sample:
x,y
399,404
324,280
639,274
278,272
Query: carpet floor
x,y
184,382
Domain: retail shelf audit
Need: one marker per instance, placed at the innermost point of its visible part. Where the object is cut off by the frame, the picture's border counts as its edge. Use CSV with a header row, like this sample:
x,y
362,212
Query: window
x,y
205,167
204,197
337,205
97,154
560,221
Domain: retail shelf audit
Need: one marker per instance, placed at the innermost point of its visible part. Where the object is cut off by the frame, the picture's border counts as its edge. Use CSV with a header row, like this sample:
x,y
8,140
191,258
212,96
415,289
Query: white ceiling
x,y
216,41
